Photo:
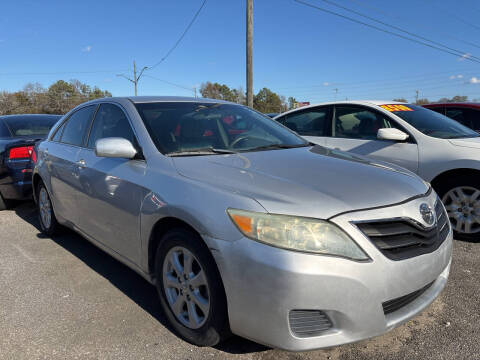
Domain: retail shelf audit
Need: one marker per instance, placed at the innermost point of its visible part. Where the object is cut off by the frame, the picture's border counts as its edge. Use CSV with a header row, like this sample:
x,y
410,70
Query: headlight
x,y
296,233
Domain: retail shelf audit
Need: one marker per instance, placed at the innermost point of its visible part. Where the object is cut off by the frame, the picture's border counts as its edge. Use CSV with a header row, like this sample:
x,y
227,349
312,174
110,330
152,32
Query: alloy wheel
x,y
463,207
186,288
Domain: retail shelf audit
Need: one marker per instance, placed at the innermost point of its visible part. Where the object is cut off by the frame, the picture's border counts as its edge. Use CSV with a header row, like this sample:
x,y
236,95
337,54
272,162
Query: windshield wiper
x,y
278,146
202,151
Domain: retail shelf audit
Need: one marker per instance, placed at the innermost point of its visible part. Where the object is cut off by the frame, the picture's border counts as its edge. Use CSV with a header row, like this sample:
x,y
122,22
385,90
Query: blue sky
x,y
298,51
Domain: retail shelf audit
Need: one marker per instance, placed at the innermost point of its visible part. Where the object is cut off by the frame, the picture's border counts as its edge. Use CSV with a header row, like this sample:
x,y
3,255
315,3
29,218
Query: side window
x,y
110,121
459,115
311,122
58,133
440,110
355,122
473,117
77,125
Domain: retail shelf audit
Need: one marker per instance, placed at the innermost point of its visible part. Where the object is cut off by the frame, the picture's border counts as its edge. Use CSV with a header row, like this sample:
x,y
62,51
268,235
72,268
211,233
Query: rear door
x,y
110,198
62,157
313,123
355,129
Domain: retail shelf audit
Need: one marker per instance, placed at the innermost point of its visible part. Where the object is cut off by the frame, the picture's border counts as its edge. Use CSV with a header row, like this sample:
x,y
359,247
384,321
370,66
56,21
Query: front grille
x,y
404,239
307,323
396,304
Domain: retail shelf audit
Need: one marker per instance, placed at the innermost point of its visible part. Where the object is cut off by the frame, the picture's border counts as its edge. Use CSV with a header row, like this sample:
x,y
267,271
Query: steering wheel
x,y
237,140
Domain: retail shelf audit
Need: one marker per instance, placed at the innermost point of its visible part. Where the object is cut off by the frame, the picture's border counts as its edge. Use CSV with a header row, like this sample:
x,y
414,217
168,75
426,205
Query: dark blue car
x,y
18,136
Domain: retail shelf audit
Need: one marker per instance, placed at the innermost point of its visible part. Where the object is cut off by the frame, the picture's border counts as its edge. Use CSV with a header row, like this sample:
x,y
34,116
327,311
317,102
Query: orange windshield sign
x,y
396,107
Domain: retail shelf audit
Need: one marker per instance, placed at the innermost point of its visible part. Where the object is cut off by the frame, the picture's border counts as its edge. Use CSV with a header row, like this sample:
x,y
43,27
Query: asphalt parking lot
x,y
63,298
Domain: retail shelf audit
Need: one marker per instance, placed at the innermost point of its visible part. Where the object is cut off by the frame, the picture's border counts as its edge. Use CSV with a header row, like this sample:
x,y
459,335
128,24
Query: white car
x,y
440,150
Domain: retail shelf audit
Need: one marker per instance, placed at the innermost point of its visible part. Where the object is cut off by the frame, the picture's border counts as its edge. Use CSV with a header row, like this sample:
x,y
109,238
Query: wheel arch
x,y
36,179
449,174
160,228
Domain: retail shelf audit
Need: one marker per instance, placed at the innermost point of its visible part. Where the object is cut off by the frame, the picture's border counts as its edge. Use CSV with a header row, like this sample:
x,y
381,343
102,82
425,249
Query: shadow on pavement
x,y
126,280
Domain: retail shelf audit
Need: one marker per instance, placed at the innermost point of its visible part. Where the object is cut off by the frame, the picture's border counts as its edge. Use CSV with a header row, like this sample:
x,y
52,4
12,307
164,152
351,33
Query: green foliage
x,y
59,98
266,101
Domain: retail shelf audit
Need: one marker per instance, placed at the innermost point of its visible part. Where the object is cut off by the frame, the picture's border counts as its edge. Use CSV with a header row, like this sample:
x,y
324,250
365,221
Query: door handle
x,y
81,163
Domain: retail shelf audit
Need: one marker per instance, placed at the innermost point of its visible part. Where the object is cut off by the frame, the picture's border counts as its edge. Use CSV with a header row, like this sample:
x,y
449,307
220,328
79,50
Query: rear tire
x,y
461,197
191,291
46,215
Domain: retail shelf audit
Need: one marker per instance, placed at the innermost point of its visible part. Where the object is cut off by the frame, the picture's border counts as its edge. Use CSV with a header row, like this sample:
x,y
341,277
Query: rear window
x,y
30,125
4,133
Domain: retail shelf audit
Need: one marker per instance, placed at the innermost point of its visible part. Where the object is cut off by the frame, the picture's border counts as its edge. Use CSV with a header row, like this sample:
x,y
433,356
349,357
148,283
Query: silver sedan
x,y
243,226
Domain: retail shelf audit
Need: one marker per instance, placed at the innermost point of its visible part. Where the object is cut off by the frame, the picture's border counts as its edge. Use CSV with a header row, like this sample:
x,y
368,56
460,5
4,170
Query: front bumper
x,y
263,284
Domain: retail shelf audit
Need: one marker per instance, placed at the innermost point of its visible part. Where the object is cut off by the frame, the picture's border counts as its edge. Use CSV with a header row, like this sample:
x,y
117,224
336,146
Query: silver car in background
x,y
243,226
438,149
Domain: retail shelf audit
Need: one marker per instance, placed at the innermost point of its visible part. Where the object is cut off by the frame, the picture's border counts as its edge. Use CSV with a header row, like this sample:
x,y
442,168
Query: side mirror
x,y
391,134
115,148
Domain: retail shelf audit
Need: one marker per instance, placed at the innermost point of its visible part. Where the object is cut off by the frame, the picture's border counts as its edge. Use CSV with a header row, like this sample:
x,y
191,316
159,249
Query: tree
x,y
422,102
456,98
291,103
400,100
267,101
59,98
218,91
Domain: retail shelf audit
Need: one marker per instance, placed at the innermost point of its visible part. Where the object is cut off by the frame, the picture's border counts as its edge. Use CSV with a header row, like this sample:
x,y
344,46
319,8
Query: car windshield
x,y
196,128
432,123
30,125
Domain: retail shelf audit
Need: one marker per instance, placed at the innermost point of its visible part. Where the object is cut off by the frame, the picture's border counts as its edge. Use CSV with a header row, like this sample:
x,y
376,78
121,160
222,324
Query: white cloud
x,y
326,83
474,80
87,48
465,56
459,76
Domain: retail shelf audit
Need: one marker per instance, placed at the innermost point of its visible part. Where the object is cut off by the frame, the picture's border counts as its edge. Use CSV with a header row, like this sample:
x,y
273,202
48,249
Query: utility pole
x,y
336,92
135,77
416,96
249,53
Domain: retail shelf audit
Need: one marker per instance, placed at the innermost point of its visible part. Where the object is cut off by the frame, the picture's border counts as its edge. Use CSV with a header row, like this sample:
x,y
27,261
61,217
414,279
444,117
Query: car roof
x,y
350,102
150,99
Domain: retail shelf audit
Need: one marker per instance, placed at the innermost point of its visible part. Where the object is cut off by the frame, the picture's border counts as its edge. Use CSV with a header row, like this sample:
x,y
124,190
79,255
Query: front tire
x,y
46,215
190,288
461,198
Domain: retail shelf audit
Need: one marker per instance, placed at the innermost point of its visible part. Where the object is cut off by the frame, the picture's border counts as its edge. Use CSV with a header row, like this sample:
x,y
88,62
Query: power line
x,y
170,83
383,30
460,53
380,11
452,14
180,38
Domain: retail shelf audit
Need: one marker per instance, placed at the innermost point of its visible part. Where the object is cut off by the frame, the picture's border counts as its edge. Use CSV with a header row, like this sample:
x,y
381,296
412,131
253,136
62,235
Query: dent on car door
x,y
312,123
62,157
355,130
111,195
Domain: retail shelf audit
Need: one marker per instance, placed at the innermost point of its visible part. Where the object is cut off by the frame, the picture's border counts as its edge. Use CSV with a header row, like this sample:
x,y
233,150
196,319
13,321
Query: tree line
x,y
265,101
58,98
454,99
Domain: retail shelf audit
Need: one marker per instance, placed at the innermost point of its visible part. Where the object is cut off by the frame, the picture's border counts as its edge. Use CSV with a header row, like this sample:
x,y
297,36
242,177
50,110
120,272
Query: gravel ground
x,y
63,298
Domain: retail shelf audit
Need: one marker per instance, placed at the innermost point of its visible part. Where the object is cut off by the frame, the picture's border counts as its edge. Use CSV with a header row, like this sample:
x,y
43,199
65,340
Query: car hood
x,y
310,181
473,143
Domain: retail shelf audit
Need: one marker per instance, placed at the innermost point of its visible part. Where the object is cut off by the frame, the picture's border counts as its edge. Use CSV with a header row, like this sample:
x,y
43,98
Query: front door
x,y
355,130
111,199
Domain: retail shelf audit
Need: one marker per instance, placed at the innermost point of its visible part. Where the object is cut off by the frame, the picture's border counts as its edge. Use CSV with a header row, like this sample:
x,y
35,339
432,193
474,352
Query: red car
x,y
467,114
